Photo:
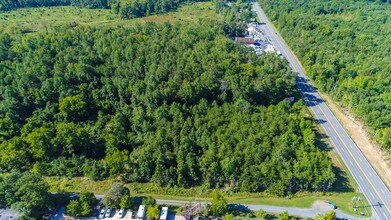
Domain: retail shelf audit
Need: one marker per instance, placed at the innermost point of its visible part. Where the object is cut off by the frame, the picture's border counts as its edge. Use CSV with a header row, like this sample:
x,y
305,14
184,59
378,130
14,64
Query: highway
x,y
369,182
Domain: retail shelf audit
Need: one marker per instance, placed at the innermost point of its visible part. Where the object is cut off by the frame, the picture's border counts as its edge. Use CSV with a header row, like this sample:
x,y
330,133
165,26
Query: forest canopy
x,y
345,48
177,105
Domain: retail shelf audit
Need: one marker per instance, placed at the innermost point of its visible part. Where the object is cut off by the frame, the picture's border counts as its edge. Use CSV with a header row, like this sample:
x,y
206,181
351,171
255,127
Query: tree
x,y
219,204
331,215
153,212
114,196
26,193
72,107
88,202
83,206
229,217
261,214
283,215
74,208
149,201
126,201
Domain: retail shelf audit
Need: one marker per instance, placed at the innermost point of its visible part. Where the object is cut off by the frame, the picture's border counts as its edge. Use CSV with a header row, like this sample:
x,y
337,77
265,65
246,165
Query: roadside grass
x,y
300,200
31,20
345,185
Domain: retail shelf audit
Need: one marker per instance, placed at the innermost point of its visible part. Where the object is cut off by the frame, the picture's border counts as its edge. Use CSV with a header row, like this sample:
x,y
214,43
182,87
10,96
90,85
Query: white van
x,y
141,212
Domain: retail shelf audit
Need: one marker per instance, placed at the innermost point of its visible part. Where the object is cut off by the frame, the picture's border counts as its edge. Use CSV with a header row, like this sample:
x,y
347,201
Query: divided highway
x,y
369,182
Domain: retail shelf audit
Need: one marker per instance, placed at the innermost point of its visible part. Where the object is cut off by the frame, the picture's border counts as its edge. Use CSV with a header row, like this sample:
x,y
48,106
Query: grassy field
x,y
30,20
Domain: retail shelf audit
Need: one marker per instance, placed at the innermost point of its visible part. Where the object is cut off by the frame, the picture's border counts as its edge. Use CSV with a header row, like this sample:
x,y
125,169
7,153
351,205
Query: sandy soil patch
x,y
321,206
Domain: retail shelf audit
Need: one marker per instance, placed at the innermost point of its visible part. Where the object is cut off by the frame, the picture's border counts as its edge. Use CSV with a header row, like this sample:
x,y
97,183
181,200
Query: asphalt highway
x,y
369,182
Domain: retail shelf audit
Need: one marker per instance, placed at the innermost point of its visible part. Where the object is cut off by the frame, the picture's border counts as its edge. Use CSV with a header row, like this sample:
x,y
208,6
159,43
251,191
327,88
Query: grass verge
x,y
301,200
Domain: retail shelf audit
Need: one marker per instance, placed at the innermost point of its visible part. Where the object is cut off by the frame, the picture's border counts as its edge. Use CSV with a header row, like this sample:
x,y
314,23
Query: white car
x,y
121,213
102,213
108,213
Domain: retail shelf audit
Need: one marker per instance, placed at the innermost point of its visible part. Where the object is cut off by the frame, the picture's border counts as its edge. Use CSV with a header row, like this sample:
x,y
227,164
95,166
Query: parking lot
x,y
128,216
7,214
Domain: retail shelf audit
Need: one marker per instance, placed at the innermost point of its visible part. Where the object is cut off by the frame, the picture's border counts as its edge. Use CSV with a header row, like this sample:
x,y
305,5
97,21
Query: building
x,y
247,40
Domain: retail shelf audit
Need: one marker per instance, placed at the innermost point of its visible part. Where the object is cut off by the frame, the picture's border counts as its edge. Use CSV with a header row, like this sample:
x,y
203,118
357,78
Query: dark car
x,y
332,205
133,214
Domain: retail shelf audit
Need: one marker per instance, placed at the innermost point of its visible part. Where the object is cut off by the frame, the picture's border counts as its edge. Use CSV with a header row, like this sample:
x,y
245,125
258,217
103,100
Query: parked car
x,y
108,213
332,205
133,214
102,213
121,213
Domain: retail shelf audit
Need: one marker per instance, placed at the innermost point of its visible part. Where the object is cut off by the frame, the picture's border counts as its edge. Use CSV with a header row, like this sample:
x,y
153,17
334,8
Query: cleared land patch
x,y
30,20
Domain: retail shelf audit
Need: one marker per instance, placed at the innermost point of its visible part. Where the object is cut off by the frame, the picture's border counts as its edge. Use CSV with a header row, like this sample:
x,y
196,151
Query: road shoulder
x,y
374,154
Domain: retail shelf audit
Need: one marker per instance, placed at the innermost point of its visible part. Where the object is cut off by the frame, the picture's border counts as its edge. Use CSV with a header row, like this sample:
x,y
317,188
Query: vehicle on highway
x,y
108,213
102,213
121,213
332,205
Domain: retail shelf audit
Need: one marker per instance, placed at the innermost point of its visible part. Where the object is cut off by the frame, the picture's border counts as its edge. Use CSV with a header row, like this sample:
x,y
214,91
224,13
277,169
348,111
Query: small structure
x,y
247,40
141,212
164,213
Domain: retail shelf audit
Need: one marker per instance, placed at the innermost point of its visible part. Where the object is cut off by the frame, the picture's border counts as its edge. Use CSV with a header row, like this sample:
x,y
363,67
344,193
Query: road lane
x,y
374,189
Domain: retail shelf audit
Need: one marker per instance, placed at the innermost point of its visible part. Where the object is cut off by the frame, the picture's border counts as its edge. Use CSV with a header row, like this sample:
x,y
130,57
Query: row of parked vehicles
x,y
107,213
140,215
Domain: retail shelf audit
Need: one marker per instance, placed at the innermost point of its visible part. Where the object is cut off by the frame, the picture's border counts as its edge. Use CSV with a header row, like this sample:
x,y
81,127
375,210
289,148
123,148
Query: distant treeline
x,y
140,8
124,8
7,5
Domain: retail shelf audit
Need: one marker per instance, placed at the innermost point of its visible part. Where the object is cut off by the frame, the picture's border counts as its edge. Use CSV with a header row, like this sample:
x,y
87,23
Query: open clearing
x,y
30,20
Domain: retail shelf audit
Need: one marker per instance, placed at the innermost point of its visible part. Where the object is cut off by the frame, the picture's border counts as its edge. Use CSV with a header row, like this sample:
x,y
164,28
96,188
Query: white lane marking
x,y
382,191
343,136
351,146
350,162
360,177
370,174
360,159
384,215
343,149
372,196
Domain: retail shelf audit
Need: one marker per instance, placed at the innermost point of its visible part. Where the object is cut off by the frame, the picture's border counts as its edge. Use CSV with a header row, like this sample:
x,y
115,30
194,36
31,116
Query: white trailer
x,y
164,213
141,212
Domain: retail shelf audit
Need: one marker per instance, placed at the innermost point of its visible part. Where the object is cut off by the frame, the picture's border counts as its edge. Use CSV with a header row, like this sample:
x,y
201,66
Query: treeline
x,y
344,48
7,5
124,8
140,8
176,105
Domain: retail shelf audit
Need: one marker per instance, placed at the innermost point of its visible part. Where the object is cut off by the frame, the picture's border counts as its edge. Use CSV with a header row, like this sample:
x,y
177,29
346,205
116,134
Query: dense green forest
x,y
345,48
178,105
